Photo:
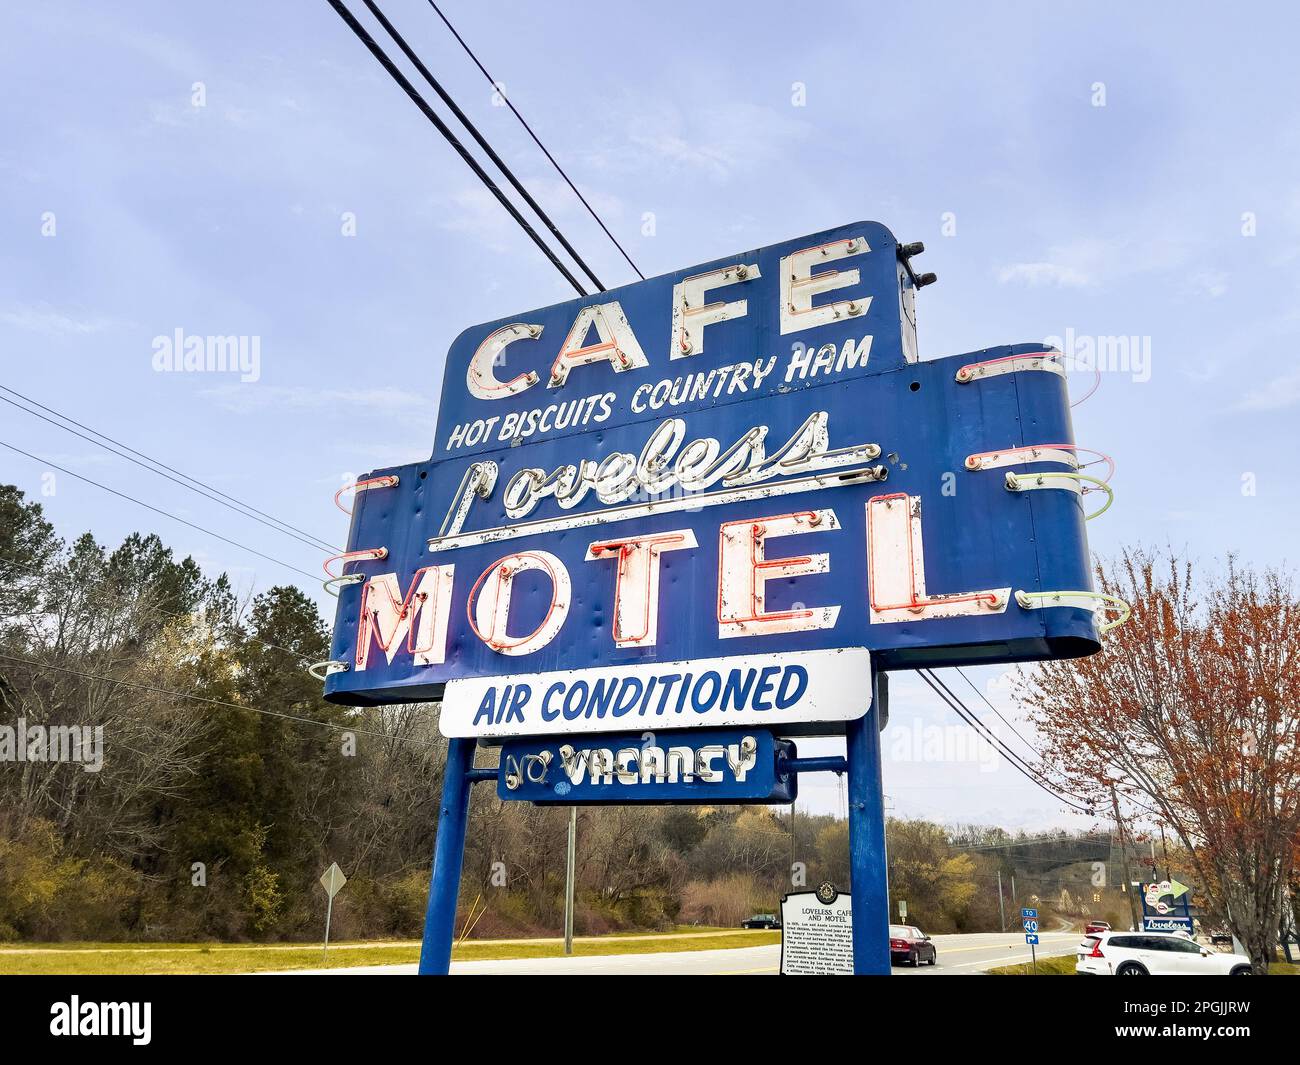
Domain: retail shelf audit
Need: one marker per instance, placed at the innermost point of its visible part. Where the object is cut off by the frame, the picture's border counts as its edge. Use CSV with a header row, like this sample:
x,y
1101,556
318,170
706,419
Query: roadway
x,y
959,955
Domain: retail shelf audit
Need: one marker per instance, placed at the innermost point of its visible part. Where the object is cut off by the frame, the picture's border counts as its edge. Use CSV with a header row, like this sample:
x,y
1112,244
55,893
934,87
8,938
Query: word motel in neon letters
x,y
417,620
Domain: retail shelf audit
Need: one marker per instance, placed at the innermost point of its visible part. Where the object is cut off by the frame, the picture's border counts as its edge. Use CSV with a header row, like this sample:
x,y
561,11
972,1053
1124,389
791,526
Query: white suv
x,y
1154,954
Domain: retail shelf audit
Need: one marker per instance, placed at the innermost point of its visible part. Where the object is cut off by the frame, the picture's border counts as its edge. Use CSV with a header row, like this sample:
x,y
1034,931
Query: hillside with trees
x,y
228,784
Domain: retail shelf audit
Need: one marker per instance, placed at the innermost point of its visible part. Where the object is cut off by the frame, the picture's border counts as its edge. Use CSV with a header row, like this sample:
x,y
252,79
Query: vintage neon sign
x,y
737,460
668,527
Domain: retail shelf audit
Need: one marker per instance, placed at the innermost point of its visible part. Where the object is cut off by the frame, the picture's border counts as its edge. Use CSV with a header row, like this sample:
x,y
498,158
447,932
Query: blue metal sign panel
x,y
700,766
1028,912
738,460
1031,938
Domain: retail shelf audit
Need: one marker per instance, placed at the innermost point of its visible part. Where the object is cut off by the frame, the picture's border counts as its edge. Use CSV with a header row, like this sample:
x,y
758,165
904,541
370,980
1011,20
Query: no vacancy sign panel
x,y
715,499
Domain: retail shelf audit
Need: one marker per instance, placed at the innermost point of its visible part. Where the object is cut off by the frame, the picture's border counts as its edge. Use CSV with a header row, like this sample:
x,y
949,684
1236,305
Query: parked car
x,y
1154,954
1096,926
761,920
910,944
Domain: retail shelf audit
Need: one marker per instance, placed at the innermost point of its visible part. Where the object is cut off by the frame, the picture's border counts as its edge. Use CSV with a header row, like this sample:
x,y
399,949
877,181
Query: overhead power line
x,y
158,510
1017,763
479,139
393,72
206,490
496,86
1004,721
1036,841
942,689
1054,863
204,699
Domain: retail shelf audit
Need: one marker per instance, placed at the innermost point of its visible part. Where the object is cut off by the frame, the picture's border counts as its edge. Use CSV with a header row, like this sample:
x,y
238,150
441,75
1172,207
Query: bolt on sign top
x,y
715,498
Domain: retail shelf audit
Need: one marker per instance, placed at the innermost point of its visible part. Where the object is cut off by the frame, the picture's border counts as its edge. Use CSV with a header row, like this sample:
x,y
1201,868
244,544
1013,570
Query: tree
x,y
1191,714
222,784
937,882
833,852
27,542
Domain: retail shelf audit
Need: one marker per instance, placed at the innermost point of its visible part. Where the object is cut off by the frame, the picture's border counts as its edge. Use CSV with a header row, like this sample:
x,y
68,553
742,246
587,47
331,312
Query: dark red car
x,y
1096,926
911,945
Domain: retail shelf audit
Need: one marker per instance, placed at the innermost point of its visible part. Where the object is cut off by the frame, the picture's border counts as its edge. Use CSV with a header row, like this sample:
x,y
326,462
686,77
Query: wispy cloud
x,y
1212,283
53,323
1073,265
1281,392
1038,275
474,212
246,399
1099,260
718,143
382,455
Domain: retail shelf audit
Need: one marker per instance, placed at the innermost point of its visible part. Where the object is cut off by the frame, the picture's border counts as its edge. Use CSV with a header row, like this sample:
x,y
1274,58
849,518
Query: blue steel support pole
x,y
448,856
870,888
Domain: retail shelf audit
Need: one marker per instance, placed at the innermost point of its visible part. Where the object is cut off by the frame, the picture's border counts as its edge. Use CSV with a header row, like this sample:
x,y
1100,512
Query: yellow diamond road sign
x,y
333,880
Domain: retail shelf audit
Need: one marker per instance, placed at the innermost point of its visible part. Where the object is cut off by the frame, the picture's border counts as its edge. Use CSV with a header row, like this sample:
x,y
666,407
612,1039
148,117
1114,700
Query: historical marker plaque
x,y
817,933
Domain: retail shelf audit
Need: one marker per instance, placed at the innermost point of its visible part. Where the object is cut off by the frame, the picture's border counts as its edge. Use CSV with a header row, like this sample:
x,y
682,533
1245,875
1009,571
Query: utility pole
x,y
569,863
792,857
1123,858
1002,913
1014,903
1164,843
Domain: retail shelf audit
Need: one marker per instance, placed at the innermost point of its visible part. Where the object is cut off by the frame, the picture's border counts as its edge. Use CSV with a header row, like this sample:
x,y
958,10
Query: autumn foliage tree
x,y
1191,714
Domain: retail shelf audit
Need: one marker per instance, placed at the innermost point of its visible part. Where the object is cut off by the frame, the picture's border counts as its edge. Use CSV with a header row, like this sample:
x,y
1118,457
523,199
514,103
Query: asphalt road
x,y
964,955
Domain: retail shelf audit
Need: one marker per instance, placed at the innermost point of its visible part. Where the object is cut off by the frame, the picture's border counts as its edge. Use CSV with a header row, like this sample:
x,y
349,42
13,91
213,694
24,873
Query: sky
x,y
1082,171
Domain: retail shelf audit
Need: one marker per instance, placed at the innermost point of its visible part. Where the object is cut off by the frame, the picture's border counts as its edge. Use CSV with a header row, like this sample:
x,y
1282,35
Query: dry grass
x,y
183,959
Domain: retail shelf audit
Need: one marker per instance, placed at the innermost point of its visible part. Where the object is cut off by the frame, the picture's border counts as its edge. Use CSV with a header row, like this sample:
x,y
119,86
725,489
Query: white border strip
x,y
1021,456
826,686
974,371
1030,482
